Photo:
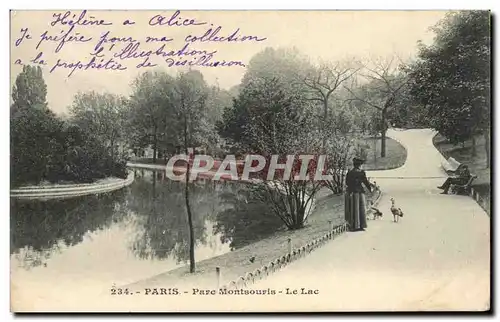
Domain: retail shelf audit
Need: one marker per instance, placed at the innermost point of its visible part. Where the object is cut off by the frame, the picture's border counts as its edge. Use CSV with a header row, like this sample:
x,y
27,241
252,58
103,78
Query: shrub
x,y
44,148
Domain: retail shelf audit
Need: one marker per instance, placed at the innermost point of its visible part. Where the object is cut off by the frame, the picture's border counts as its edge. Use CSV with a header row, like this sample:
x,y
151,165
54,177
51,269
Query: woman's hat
x,y
358,160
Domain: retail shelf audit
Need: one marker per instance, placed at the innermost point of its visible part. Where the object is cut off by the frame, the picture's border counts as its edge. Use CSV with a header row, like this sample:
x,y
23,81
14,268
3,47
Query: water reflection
x,y
143,227
246,219
40,225
161,209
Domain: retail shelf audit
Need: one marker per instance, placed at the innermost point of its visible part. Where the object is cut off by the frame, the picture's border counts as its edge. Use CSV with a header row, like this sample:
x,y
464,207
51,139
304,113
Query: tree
x,y
30,89
288,66
150,108
190,95
451,77
35,134
102,115
218,100
33,128
339,147
323,81
385,81
284,66
47,148
280,123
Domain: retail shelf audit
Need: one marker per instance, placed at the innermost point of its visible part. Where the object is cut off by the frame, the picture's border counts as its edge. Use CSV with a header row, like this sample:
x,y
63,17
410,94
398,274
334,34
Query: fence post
x,y
289,245
217,273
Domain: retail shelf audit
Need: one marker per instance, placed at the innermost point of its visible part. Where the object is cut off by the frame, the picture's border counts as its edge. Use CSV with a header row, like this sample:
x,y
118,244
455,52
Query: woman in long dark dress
x,y
355,201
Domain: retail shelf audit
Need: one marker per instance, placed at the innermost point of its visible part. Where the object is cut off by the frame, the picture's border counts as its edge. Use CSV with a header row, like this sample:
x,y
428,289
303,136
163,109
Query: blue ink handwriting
x,y
63,38
24,34
81,20
174,20
156,39
211,35
110,64
38,59
203,61
145,63
134,51
105,39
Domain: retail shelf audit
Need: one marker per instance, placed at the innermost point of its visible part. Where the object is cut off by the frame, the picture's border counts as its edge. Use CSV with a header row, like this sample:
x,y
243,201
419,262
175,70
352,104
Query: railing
x,y
280,262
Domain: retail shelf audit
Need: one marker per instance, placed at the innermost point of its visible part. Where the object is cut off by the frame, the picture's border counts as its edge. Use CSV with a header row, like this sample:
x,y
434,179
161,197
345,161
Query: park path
x,y
436,258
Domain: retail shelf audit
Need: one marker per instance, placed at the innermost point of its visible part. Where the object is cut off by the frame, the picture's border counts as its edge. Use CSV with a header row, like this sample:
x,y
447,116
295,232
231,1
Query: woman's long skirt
x,y
355,210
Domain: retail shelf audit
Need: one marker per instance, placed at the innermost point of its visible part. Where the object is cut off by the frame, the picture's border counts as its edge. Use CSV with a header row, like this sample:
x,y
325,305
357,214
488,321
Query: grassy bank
x,y
329,210
395,154
477,163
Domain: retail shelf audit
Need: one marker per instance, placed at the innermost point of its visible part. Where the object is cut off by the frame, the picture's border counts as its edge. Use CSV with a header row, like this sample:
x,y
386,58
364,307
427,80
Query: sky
x,y
321,35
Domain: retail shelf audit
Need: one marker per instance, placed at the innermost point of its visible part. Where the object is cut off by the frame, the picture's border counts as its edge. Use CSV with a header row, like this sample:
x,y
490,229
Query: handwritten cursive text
x,y
174,21
65,19
63,38
212,35
92,64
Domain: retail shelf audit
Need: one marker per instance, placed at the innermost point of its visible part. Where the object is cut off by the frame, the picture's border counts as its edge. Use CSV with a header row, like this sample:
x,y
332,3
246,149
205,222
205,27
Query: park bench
x,y
463,189
451,165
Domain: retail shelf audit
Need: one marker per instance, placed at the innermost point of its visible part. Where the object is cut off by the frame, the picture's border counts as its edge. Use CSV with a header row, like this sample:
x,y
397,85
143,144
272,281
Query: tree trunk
x,y
192,263
154,188
382,143
383,132
155,146
473,150
486,135
325,120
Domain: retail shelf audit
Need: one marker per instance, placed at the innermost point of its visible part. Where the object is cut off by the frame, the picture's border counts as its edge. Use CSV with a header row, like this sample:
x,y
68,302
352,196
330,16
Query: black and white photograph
x,y
250,161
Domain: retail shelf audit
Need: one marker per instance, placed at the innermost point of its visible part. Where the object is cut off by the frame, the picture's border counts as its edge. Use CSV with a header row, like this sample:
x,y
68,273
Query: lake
x,y
128,235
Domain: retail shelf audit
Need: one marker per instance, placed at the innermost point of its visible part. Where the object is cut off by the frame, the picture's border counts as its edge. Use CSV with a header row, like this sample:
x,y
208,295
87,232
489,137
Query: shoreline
x,y
54,191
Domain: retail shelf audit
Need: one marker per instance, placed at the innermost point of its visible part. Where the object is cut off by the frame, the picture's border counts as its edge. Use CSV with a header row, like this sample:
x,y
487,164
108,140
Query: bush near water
x,y
45,148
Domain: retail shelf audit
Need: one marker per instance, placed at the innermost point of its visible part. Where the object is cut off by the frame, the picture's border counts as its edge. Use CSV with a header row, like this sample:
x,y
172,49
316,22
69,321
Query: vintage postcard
x,y
250,161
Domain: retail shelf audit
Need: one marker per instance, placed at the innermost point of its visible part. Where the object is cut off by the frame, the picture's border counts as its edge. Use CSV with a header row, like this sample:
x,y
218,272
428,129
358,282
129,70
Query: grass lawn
x,y
395,155
477,164
237,263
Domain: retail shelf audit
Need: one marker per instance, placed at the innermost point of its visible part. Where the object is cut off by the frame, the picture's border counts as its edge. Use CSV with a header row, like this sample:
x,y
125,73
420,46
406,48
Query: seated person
x,y
462,177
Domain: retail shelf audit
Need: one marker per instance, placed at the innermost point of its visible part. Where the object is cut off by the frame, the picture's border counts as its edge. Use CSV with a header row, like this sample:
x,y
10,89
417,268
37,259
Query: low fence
x,y
292,254
73,190
280,262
